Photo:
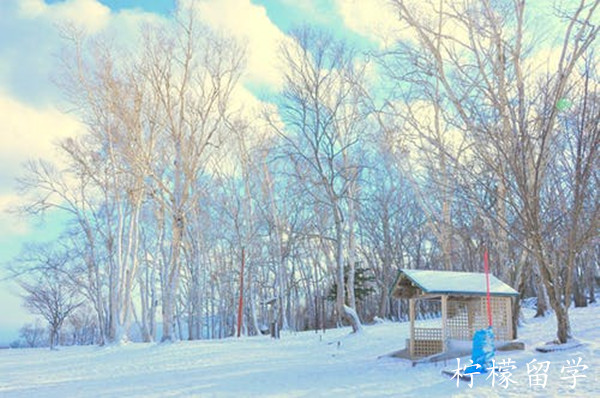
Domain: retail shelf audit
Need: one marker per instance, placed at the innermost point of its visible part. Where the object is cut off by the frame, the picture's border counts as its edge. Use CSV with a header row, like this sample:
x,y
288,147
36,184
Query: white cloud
x,y
32,8
89,14
31,132
380,19
30,42
11,225
375,19
249,23
27,133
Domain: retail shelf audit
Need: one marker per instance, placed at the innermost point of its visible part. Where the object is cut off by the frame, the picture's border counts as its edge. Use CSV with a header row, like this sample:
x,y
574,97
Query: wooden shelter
x,y
463,308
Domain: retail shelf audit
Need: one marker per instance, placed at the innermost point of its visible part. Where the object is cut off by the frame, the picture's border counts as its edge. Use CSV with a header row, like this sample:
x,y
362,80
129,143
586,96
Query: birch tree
x,y
321,105
190,73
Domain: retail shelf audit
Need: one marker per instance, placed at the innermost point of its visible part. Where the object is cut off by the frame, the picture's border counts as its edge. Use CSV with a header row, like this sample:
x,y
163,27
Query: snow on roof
x,y
451,282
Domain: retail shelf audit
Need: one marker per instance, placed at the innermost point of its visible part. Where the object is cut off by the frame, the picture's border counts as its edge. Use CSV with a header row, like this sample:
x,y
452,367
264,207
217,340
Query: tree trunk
x,y
384,308
560,310
282,288
541,303
252,302
144,304
591,279
579,297
563,323
167,314
347,313
351,250
171,279
521,279
52,337
542,297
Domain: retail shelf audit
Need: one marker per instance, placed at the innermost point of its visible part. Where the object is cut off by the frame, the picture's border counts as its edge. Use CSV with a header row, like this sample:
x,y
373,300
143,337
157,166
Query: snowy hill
x,y
299,365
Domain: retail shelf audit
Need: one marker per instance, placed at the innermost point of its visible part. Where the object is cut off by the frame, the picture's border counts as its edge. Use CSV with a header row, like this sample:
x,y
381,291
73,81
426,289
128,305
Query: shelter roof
x,y
448,282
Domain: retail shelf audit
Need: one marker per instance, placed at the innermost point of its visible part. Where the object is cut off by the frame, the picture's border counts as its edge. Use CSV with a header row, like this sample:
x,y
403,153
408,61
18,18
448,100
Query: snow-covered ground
x,y
298,365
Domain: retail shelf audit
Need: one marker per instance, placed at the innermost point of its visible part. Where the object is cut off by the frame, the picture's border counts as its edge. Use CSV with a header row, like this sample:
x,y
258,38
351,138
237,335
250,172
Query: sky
x,y
33,112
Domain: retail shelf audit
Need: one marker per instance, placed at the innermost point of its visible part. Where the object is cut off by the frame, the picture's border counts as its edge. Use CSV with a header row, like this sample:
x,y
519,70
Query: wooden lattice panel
x,y
502,321
501,317
427,341
457,322
469,315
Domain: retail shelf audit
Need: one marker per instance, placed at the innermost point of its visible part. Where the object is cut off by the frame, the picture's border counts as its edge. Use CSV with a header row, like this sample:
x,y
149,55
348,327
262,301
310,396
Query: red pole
x,y
241,304
487,280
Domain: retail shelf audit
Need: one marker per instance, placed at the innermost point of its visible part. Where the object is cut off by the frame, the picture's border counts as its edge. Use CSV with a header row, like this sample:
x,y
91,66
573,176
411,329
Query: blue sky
x,y
155,6
285,14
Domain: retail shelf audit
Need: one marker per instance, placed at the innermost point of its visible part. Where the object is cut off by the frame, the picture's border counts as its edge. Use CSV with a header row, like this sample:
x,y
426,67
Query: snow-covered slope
x,y
298,365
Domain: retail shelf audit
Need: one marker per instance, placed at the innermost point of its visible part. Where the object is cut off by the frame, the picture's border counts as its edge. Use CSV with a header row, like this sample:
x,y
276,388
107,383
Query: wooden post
x,y
411,314
444,319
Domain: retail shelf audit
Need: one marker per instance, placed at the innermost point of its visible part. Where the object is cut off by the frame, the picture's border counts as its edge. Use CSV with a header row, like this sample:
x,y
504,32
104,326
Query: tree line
x,y
416,156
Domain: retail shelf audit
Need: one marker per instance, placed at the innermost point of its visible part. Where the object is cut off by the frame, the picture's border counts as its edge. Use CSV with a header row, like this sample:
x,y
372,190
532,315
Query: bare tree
x,y
390,222
81,327
152,120
33,334
507,116
53,299
190,73
323,120
572,194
